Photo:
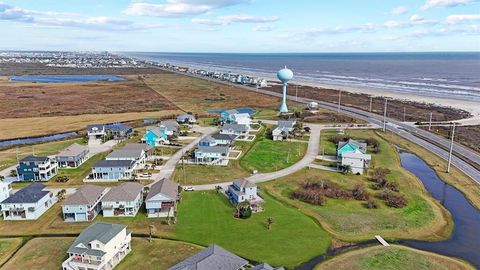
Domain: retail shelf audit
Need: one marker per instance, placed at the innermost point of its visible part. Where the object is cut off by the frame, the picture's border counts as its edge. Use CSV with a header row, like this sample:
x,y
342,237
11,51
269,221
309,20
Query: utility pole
x,y
16,151
370,107
404,112
385,116
451,148
430,122
339,99
183,168
296,93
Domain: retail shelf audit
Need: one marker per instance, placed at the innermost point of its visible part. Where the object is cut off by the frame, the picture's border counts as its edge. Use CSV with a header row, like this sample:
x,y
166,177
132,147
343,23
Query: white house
x,y
136,155
101,246
84,204
96,131
243,190
356,160
186,119
162,199
29,203
242,119
211,154
283,129
112,170
235,129
123,201
5,189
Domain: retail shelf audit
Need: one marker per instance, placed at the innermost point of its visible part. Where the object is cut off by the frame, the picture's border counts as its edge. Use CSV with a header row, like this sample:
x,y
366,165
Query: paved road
x,y
167,169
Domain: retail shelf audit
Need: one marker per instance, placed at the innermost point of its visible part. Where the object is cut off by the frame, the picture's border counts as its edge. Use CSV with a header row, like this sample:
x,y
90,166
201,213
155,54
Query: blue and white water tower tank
x,y
284,75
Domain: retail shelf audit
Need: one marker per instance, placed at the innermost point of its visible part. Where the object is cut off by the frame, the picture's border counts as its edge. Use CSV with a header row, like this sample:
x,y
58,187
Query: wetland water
x,y
65,78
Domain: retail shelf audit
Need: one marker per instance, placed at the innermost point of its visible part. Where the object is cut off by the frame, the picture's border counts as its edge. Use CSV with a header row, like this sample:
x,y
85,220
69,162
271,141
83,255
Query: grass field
x,y
40,253
158,254
350,220
392,258
8,157
207,217
55,99
455,178
268,155
8,247
203,174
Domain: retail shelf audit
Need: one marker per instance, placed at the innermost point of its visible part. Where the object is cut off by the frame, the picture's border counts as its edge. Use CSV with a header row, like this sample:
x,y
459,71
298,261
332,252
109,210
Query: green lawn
x,y
350,220
158,254
203,174
207,217
269,156
392,258
8,157
8,247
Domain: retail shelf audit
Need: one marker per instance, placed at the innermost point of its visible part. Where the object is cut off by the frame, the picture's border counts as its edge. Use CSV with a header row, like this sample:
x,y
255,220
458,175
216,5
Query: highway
x,y
402,129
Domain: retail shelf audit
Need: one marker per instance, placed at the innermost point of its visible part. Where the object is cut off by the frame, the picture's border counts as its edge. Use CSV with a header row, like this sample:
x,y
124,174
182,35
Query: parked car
x,y
188,188
146,174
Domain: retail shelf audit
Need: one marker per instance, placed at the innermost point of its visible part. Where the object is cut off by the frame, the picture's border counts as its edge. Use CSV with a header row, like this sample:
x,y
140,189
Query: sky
x,y
241,25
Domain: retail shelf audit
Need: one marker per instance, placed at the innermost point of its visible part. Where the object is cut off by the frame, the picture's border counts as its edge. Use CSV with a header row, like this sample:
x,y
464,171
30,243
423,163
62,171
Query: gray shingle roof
x,y
125,153
102,232
286,124
186,116
212,258
85,195
34,159
208,139
266,266
138,146
165,187
235,127
243,183
223,137
98,126
30,194
171,125
214,149
73,150
155,130
125,192
113,163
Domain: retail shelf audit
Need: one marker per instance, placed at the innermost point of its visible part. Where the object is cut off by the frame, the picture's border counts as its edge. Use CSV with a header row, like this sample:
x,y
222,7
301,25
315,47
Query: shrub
x,y
245,212
380,174
360,194
371,204
393,200
62,179
310,196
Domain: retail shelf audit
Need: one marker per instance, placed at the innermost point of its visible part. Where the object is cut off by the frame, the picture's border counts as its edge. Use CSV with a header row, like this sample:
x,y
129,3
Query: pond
x,y
65,78
40,139
464,242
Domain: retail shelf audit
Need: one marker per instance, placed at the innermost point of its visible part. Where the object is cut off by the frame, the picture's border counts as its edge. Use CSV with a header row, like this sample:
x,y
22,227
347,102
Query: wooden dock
x,y
382,241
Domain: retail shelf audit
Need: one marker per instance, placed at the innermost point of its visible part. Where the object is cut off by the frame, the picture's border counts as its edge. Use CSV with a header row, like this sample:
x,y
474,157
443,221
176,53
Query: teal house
x,y
155,136
351,146
228,116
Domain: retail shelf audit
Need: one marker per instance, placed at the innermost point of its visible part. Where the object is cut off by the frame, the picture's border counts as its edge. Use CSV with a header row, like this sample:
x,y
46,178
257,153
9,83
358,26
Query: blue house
x,y
112,170
84,204
228,116
34,168
155,136
243,190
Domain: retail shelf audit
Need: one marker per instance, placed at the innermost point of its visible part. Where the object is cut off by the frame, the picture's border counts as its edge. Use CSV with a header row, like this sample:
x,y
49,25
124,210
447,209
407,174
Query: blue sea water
x,y
437,74
65,78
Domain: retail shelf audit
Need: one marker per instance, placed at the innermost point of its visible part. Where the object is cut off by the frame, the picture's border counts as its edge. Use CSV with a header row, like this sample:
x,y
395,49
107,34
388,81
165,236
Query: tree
x,y
13,173
241,210
218,188
347,169
269,223
61,194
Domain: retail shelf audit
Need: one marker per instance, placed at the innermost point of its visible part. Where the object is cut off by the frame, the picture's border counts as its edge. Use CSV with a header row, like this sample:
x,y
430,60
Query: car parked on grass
x,y
189,188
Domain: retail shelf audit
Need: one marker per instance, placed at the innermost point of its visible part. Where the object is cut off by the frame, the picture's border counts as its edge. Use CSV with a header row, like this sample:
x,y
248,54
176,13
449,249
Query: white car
x,y
188,188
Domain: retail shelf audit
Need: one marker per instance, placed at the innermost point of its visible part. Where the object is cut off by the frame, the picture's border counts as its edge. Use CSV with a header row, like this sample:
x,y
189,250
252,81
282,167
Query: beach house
x,y
118,131
72,156
123,201
212,155
155,136
243,190
210,258
101,246
148,149
227,117
241,119
112,170
33,168
162,199
136,155
207,141
353,154
170,127
186,118
282,130
5,190
84,204
235,129
29,203
224,139
96,131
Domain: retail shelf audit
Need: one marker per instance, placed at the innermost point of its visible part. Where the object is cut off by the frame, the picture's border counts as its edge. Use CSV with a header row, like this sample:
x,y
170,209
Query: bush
x,y
13,173
371,204
393,200
245,212
360,194
62,179
310,196
380,174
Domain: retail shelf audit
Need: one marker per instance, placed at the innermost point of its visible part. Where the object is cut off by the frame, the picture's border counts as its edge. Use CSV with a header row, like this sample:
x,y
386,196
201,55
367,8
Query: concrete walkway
x,y
325,168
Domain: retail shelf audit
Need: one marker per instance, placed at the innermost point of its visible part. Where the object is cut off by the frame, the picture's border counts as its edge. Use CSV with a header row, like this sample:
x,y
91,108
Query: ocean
x,y
453,75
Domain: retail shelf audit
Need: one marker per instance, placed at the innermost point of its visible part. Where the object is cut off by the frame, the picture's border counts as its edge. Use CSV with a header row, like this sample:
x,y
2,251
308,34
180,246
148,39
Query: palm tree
x,y
61,194
269,222
347,169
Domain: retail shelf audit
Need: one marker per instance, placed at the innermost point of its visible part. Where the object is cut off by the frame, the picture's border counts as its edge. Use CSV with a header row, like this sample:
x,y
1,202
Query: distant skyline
x,y
241,25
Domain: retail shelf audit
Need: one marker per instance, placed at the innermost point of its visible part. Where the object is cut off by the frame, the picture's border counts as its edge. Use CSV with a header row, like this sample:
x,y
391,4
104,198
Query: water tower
x,y
284,75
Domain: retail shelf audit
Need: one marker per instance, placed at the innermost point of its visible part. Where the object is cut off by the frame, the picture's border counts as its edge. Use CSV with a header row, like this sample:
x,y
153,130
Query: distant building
x,y
84,204
124,200
227,116
207,141
101,246
34,168
5,190
113,170
353,153
136,155
28,203
155,136
241,119
234,129
118,131
162,199
224,139
170,127
186,119
72,156
213,257
284,127
243,190
96,131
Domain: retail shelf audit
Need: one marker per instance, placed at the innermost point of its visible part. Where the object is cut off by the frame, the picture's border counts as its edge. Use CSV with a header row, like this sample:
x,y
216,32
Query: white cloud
x,y
11,13
460,18
225,20
398,11
262,28
178,8
445,3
